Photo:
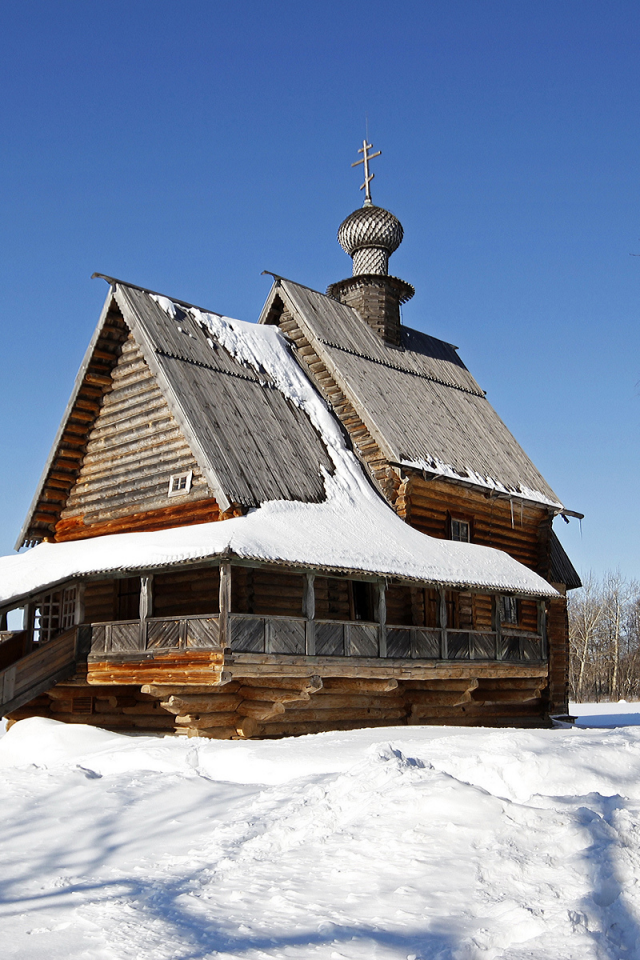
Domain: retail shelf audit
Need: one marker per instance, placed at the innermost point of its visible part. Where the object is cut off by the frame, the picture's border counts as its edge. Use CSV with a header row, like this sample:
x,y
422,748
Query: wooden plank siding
x,y
65,460
133,448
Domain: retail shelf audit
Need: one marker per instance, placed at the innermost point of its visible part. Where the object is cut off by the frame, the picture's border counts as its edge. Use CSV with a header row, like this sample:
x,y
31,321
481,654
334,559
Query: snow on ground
x,y
426,842
620,714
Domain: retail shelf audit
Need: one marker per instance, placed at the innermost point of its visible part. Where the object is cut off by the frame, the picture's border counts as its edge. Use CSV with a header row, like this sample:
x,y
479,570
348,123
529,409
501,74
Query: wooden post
x,y
3,620
27,621
146,605
225,603
309,611
542,627
79,613
381,617
444,652
497,624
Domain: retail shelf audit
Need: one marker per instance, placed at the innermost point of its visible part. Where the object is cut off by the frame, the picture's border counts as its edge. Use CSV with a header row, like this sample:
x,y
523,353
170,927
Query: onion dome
x,y
370,235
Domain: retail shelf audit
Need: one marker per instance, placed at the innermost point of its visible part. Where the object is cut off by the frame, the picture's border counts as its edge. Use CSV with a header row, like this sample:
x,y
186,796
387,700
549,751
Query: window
x,y
509,610
461,530
179,484
128,598
54,613
362,594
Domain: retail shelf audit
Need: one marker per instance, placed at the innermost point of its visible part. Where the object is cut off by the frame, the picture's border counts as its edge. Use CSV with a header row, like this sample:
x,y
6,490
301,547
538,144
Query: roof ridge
x,y
154,293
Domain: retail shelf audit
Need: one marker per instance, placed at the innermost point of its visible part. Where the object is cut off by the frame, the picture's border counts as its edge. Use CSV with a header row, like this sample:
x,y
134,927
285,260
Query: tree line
x,y
604,639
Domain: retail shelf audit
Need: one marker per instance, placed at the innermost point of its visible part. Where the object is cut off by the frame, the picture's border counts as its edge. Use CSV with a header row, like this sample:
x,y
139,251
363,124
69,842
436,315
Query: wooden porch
x,y
230,650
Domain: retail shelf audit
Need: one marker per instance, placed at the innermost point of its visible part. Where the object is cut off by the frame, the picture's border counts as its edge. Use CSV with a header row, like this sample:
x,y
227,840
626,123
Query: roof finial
x,y
368,177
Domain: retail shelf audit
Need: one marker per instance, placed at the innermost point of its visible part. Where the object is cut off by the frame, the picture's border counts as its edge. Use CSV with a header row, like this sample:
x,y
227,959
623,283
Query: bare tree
x,y
604,639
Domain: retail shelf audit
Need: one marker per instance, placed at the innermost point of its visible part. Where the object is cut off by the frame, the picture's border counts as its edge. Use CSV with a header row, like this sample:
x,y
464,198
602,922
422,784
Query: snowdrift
x,y
420,843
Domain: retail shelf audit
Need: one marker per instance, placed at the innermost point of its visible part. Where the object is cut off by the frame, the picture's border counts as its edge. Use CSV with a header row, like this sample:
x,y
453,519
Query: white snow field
x,y
426,843
617,714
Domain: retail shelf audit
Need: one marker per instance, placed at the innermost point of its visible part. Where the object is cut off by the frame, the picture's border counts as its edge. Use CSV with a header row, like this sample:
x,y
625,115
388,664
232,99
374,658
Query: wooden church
x,y
317,522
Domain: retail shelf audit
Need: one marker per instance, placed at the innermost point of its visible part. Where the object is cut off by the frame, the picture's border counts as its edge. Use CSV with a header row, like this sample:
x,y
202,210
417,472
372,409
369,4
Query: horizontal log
x,y
201,703
373,713
448,685
260,709
142,709
202,721
63,706
442,698
301,684
212,733
362,701
190,668
274,694
512,683
349,684
243,665
164,691
508,696
243,728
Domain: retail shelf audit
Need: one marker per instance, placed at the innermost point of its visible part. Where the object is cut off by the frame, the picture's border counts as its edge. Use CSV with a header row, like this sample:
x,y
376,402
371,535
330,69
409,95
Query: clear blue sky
x,y
187,147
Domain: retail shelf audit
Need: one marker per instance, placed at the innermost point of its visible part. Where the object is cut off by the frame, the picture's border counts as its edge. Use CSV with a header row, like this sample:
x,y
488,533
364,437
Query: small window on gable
x,y
509,610
180,483
461,530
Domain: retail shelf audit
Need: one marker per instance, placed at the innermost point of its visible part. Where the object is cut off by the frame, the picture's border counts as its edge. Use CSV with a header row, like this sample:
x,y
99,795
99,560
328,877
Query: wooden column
x,y
381,617
542,627
79,614
146,606
444,653
309,611
225,603
497,624
27,621
3,620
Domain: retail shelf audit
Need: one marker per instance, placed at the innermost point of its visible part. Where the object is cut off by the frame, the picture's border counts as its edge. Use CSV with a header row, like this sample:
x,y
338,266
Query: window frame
x,y
180,491
507,600
459,518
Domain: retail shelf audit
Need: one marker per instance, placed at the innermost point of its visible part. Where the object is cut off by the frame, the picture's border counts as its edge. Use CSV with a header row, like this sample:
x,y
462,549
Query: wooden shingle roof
x,y
419,401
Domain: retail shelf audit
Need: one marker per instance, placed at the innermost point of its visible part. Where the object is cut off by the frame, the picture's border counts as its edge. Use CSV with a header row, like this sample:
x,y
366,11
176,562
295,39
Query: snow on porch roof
x,y
346,533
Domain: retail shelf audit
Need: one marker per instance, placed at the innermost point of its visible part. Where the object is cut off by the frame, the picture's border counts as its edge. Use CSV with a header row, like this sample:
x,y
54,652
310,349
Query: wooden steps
x,y
38,671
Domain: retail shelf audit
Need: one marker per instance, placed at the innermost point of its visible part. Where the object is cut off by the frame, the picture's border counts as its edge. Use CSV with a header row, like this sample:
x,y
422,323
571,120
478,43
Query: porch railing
x,y
297,636
340,638
154,634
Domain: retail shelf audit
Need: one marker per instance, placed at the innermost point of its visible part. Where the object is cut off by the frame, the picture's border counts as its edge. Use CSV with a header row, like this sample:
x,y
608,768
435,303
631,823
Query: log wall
x,y
133,448
429,506
243,703
187,592
265,592
558,637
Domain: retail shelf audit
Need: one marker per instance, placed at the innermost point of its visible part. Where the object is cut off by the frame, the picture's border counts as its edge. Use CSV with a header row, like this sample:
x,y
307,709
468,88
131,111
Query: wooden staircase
x,y
39,670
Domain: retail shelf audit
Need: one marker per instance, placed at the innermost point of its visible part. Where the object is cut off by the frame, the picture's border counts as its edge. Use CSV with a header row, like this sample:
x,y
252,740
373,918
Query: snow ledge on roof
x,y
442,469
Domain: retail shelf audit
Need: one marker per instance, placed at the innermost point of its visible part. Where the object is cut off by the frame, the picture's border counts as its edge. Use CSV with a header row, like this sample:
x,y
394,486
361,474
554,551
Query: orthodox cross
x,y
368,177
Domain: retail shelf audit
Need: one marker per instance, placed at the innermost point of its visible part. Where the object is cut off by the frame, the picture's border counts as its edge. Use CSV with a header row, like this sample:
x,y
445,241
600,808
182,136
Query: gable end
x,y
65,459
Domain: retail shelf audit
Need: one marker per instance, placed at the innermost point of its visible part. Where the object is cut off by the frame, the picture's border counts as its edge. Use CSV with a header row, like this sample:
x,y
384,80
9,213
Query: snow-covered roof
x,y
351,530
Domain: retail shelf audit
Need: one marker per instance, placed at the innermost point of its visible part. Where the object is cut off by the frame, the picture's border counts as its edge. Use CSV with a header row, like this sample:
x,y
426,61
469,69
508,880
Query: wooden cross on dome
x,y
368,177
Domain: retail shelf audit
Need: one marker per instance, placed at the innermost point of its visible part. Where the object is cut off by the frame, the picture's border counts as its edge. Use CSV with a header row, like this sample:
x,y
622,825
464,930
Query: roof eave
x,y
22,538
